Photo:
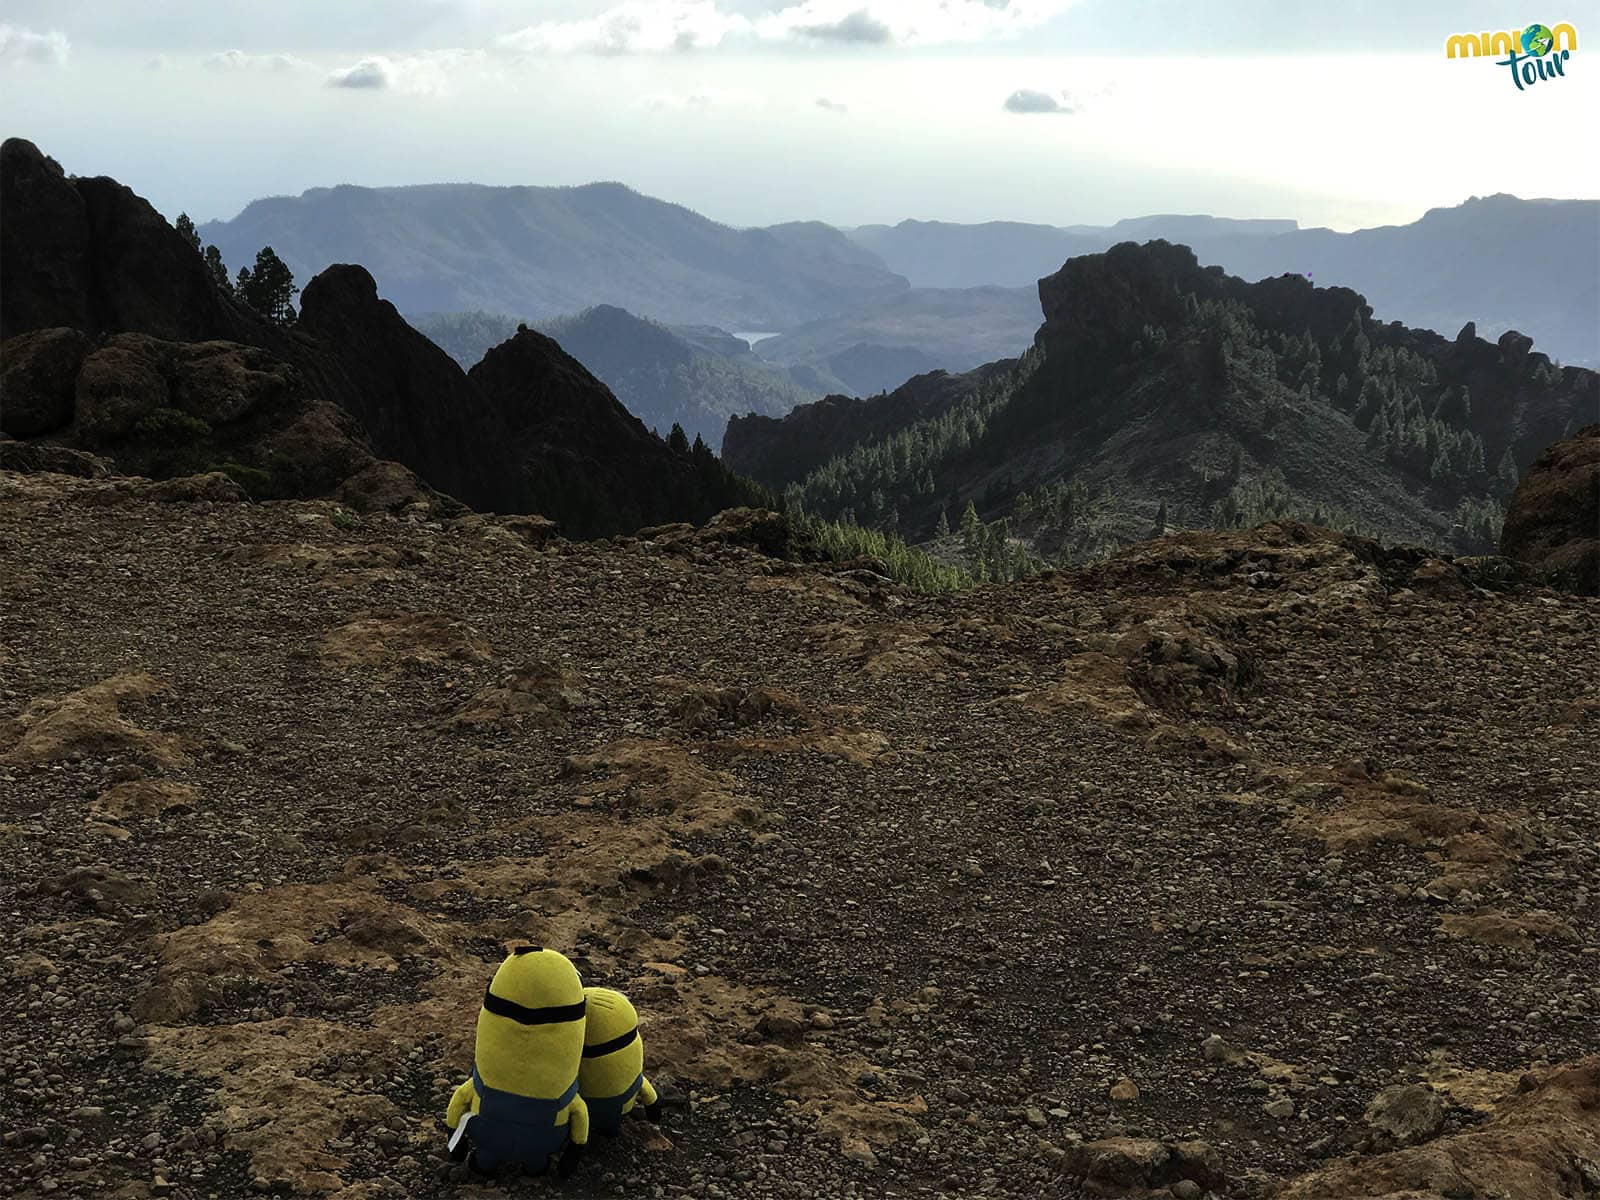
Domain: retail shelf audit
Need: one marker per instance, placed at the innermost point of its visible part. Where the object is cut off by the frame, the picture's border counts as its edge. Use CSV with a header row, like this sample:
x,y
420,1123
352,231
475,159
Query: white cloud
x,y
18,45
908,22
635,26
829,105
157,62
238,60
1026,100
654,26
420,74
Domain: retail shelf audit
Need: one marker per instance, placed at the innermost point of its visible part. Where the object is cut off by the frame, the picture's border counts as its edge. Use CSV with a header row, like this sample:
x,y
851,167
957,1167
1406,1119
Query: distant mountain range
x,y
942,254
1491,260
878,347
543,252
540,253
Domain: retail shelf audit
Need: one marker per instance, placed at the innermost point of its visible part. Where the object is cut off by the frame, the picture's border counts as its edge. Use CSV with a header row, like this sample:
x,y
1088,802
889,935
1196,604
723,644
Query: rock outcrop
x,y
1554,519
164,409
320,403
583,458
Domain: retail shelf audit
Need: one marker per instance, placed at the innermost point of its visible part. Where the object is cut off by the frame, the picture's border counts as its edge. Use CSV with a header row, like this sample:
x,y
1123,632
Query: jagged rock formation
x,y
1166,382
1554,519
350,385
1162,874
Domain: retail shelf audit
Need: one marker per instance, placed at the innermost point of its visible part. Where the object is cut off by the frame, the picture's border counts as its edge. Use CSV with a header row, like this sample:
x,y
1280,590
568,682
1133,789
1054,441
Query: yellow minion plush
x,y
611,1080
521,1104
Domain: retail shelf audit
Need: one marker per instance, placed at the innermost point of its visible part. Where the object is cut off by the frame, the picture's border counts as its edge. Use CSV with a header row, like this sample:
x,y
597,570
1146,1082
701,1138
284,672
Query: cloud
x,y
18,45
1025,100
832,105
157,62
906,22
656,26
238,60
635,26
419,74
859,28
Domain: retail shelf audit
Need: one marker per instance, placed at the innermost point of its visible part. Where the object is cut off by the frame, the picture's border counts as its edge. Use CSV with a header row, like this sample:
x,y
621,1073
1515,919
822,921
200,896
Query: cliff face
x,y
413,399
533,431
1554,519
580,451
90,255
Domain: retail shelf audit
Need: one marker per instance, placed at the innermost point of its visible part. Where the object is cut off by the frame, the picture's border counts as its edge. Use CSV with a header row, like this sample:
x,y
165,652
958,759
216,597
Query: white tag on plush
x,y
461,1131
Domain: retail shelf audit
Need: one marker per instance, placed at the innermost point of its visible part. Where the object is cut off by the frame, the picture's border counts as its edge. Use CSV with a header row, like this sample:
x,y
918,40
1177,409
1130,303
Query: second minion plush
x,y
521,1104
611,1079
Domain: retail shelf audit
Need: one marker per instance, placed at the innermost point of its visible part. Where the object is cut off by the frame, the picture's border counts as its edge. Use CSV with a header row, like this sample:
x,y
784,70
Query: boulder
x,y
119,390
28,458
38,371
1118,1165
1406,1115
1553,522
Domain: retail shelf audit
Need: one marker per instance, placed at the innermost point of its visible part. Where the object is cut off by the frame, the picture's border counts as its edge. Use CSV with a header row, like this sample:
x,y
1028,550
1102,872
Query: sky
x,y
848,111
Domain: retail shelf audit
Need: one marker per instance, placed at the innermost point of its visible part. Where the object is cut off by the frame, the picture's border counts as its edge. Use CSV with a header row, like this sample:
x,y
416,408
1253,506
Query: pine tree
x,y
1506,473
219,269
185,228
971,529
942,529
270,288
1161,520
1378,435
678,440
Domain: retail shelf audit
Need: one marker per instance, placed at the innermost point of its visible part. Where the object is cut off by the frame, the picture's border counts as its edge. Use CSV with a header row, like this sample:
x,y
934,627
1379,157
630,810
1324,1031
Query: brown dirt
x,y
902,885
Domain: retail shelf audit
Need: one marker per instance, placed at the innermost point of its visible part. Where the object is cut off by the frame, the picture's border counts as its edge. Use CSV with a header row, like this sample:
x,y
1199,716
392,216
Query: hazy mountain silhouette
x,y
1503,262
543,251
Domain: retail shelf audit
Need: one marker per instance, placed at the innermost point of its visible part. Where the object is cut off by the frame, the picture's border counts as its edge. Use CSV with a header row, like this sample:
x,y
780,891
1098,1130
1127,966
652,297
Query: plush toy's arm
x,y
460,1103
577,1138
652,1102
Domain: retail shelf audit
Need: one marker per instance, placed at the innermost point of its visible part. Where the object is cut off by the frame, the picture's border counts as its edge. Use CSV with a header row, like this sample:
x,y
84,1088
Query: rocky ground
x,y
1242,864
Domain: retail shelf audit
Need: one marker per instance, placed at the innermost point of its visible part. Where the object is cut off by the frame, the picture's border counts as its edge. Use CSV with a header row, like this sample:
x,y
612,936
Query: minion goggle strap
x,y
552,1015
601,1049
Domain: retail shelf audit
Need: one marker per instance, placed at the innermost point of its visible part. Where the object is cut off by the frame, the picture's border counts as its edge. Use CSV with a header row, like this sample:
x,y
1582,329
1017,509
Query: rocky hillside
x,y
1241,865
1158,386
780,451
296,411
1554,520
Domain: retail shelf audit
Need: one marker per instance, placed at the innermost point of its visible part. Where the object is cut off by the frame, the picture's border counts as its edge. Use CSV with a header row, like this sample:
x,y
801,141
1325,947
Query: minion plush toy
x,y
521,1104
612,1080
